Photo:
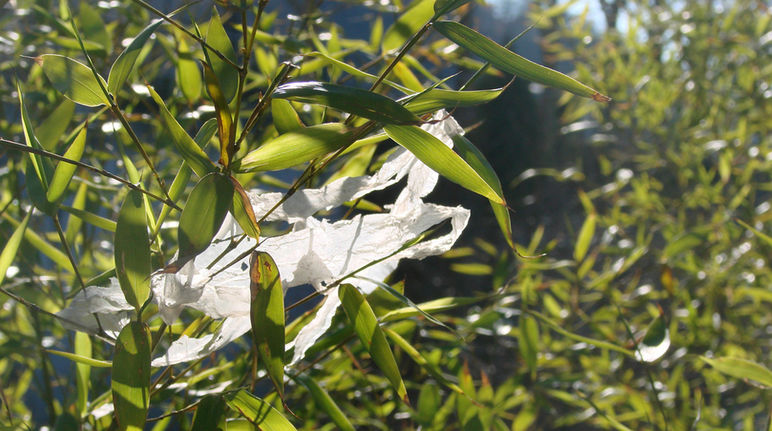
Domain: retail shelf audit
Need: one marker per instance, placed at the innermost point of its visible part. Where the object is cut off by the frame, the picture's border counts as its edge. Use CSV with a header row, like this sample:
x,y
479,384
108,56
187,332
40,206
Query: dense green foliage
x,y
644,308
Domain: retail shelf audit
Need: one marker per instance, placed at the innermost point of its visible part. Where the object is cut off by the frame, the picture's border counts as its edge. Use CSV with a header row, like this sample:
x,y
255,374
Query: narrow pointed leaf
x,y
476,159
366,104
442,159
258,412
210,414
510,62
190,151
93,27
407,24
38,171
441,7
12,247
528,340
436,99
741,369
188,73
132,250
429,400
325,402
43,246
91,218
51,130
225,130
243,212
585,237
64,171
370,333
267,316
131,376
74,80
296,147
285,118
82,359
82,371
124,64
217,38
203,214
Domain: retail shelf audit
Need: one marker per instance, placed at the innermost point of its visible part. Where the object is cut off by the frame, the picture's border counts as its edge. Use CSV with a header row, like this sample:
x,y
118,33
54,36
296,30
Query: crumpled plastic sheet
x,y
315,251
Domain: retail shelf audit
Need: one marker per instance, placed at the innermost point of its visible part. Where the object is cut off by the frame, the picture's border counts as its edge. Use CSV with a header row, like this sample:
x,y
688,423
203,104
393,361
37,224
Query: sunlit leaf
x,y
64,171
442,159
441,7
267,315
741,369
203,214
124,64
131,376
74,80
51,130
407,24
285,118
243,212
82,359
325,402
510,62
436,99
585,238
132,250
429,400
353,100
226,130
190,151
258,412
38,171
528,341
12,247
43,246
188,74
296,147
369,332
91,218
217,38
82,370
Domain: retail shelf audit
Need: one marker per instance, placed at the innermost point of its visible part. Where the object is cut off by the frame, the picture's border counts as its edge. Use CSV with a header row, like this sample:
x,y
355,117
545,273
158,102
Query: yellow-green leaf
x,y
12,247
741,369
436,99
91,218
371,335
217,38
131,376
203,214
442,159
325,402
296,147
585,237
243,212
267,315
407,24
123,65
510,62
285,118
74,80
258,412
64,171
188,73
82,371
80,358
225,129
132,250
51,130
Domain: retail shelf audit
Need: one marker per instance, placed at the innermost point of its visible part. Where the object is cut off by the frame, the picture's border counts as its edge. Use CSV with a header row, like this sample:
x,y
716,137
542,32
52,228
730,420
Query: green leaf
x,y
225,129
655,342
442,159
210,414
217,38
91,218
243,212
38,170
188,73
51,130
764,237
81,358
82,371
43,246
435,305
429,400
203,214
296,147
407,24
480,164
510,62
131,376
369,332
436,99
64,171
124,64
325,402
353,100
132,250
74,80
267,315
528,340
190,151
93,27
12,246
258,412
741,369
585,237
285,118
441,7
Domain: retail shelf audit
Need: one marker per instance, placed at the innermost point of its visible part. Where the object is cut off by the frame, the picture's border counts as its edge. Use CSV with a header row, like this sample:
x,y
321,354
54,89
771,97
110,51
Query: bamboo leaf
x,y
91,218
429,400
50,131
82,359
203,214
436,99
442,159
43,246
407,24
131,376
12,246
510,62
296,147
366,104
190,151
210,414
38,170
258,412
188,74
585,237
226,131
217,38
132,250
82,371
369,332
655,342
528,340
121,69
74,80
441,7
64,171
285,118
267,315
243,212
741,369
325,402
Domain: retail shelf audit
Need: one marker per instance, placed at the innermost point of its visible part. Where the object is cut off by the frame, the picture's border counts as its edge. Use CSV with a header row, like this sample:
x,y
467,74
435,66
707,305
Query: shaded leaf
x,y
132,250
741,369
369,332
258,412
226,130
74,80
217,38
510,62
38,170
210,414
407,24
325,402
442,159
51,130
436,99
528,341
43,246
91,218
131,376
429,400
296,147
64,171
655,342
203,215
188,73
124,64
267,315
441,7
353,100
